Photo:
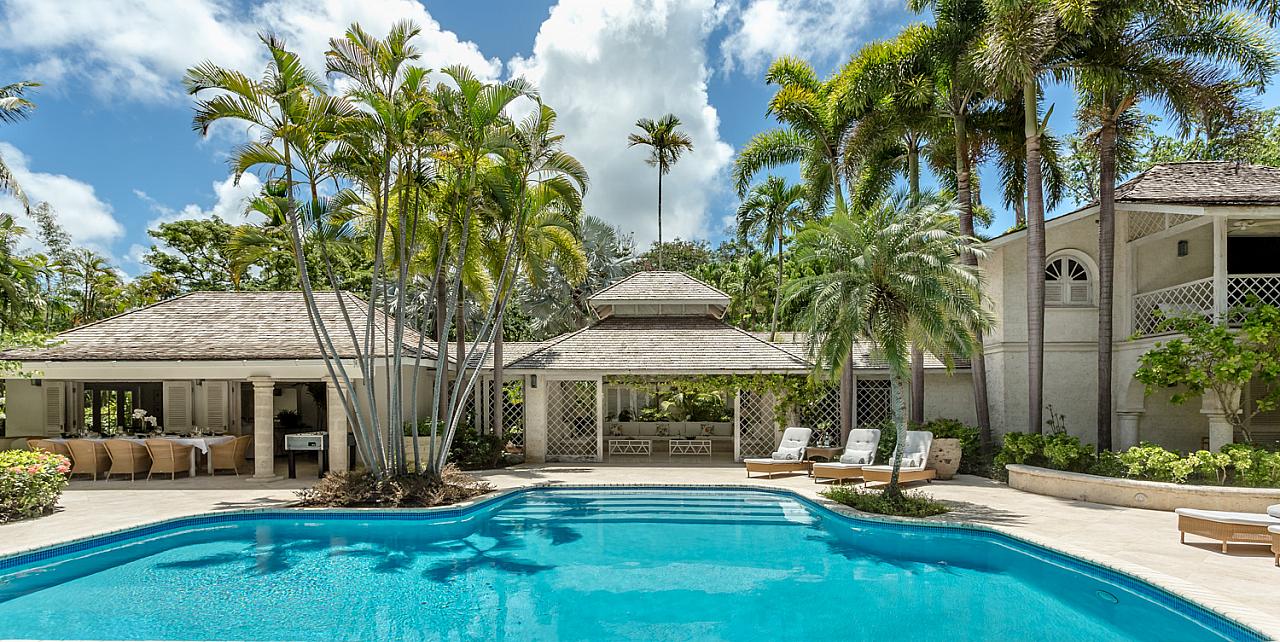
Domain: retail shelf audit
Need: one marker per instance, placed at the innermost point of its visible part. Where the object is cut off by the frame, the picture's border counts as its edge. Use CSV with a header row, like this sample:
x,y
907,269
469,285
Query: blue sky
x,y
111,146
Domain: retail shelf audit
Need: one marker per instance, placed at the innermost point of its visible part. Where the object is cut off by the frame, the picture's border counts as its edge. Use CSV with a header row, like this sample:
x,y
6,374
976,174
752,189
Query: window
x,y
1066,282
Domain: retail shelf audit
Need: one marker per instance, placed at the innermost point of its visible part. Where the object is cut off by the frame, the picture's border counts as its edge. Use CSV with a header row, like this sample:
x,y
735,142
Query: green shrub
x,y
1065,452
30,482
473,451
971,460
908,504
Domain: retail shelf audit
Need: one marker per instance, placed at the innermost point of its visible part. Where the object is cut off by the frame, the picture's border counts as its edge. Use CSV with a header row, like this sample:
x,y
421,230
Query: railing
x,y
1196,298
1152,308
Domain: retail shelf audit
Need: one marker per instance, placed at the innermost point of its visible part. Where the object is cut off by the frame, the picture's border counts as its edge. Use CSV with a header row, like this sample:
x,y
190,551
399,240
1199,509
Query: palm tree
x,y
771,212
666,143
1020,46
893,276
14,107
1188,57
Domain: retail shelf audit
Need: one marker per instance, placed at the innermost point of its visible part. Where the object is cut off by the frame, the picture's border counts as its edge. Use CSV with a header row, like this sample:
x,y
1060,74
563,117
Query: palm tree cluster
x,y
449,199
965,89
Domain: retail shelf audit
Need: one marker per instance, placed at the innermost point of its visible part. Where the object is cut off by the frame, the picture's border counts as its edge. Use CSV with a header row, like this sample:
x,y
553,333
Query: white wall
x,y
24,408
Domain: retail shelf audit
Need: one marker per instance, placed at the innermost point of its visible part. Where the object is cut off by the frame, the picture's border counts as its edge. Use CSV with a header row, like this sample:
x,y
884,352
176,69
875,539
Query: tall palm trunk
x,y
1035,259
847,409
498,392
777,294
442,312
917,355
898,408
460,334
1106,270
659,217
978,360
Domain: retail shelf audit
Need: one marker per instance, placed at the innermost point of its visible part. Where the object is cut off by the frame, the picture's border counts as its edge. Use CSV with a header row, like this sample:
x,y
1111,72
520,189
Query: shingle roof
x,y
661,345
654,285
214,326
1203,183
863,352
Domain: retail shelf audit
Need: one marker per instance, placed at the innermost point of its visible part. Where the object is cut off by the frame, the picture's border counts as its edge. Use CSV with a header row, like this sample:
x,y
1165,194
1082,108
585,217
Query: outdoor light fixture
x,y
1183,248
533,381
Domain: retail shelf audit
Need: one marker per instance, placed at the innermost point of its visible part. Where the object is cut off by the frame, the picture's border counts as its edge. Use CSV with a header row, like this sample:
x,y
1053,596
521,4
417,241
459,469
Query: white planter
x,y
1136,493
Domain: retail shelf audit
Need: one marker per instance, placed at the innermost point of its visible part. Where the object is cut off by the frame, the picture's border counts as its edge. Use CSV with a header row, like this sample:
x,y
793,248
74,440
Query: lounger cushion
x,y
1274,530
860,447
837,466
788,454
1274,510
886,468
858,457
1227,517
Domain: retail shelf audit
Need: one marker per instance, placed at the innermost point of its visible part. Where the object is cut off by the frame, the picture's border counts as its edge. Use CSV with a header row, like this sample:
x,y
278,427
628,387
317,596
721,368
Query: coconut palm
x,y
666,144
14,107
1024,42
893,275
1190,58
771,212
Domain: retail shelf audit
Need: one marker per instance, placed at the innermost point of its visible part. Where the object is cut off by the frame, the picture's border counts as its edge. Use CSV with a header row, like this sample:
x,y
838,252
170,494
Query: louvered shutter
x,y
177,405
1053,292
1078,293
215,405
55,407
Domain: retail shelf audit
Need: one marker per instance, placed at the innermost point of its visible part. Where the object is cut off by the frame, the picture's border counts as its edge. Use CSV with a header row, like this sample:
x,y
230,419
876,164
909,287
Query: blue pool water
x,y
582,564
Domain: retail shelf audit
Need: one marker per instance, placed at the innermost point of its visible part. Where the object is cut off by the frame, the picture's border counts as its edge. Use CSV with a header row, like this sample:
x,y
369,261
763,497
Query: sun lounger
x,y
1275,542
1225,526
859,451
915,446
788,458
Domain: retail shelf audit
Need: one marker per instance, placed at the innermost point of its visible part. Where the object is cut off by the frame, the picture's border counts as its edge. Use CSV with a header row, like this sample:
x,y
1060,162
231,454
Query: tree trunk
x,y
847,409
1106,273
917,355
460,336
442,312
1035,260
898,406
498,392
659,218
777,294
978,360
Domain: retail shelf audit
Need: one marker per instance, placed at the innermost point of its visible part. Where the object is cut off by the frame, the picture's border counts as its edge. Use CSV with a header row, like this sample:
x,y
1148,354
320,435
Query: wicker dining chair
x,y
88,457
229,455
50,446
127,458
168,457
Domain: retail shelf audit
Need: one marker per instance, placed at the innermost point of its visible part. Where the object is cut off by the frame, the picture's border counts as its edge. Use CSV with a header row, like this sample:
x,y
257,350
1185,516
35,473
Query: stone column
x,y
535,420
264,450
336,417
1129,429
1221,431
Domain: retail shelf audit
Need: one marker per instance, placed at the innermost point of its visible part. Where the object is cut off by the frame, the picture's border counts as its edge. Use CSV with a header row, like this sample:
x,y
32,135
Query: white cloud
x,y
817,29
229,203
603,64
86,218
141,48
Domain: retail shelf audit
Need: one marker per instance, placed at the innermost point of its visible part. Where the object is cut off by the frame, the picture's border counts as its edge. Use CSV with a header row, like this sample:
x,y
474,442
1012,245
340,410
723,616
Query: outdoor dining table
x,y
201,444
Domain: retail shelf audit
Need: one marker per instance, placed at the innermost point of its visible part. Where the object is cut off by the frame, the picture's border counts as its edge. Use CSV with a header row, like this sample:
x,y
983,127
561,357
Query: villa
x,y
1192,238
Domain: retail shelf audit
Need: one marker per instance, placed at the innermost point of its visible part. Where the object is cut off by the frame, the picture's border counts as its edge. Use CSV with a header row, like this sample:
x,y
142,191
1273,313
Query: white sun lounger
x,y
915,447
1226,526
859,451
789,457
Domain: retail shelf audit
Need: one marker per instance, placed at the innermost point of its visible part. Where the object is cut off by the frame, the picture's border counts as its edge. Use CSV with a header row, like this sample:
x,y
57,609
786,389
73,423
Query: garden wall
x,y
1137,493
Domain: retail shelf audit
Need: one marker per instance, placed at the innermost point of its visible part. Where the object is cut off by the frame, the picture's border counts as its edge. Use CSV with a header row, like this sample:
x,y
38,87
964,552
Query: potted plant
x,y
950,439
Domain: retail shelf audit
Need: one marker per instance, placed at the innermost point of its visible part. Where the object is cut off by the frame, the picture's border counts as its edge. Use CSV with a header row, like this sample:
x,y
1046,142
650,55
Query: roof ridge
x,y
616,284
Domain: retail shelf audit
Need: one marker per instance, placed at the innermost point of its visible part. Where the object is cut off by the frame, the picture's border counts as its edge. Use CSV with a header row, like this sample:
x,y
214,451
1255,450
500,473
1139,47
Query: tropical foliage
x,y
30,482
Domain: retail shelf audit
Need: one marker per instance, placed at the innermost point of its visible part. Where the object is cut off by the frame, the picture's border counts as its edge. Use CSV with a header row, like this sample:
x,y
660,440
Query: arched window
x,y
1067,282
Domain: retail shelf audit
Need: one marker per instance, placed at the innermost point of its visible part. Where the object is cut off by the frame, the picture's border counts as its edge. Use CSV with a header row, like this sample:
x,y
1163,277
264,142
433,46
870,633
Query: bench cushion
x,y
1227,517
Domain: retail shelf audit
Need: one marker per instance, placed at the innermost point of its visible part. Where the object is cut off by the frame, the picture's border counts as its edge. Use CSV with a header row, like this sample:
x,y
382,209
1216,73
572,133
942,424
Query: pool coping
x,y
1189,596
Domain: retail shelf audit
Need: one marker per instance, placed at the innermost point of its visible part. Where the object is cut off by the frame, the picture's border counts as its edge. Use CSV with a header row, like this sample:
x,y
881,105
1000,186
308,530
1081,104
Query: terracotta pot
x,y
944,457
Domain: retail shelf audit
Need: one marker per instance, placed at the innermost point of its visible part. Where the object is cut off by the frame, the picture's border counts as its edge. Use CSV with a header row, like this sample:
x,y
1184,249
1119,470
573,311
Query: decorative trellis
x,y
1264,286
572,421
875,404
1147,223
512,410
1150,308
755,424
823,415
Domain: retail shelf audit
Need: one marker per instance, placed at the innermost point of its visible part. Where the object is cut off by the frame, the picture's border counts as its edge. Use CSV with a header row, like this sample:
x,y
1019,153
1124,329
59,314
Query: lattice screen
x,y
1147,223
823,416
1151,308
874,402
571,421
756,427
513,411
1265,286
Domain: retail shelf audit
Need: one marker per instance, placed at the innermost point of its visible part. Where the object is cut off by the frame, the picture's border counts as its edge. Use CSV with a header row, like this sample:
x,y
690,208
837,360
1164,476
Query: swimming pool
x,y
580,563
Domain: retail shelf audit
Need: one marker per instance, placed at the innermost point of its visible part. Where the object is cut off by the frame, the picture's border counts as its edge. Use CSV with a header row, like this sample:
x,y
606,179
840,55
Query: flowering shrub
x,y
30,482
1234,465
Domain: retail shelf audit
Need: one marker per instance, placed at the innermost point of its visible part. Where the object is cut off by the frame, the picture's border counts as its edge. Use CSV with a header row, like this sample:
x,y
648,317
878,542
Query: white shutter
x,y
1053,292
1078,293
177,405
215,405
55,415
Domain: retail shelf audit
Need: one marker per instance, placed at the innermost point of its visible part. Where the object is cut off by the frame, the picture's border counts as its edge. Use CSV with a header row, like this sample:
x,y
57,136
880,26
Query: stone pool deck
x,y
1241,584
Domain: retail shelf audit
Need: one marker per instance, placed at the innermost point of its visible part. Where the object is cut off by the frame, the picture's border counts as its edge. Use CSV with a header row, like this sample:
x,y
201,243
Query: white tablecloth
x,y
201,444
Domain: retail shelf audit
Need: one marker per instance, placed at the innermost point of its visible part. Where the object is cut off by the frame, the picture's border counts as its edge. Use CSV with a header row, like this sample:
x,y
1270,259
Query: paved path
x,y
1241,584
